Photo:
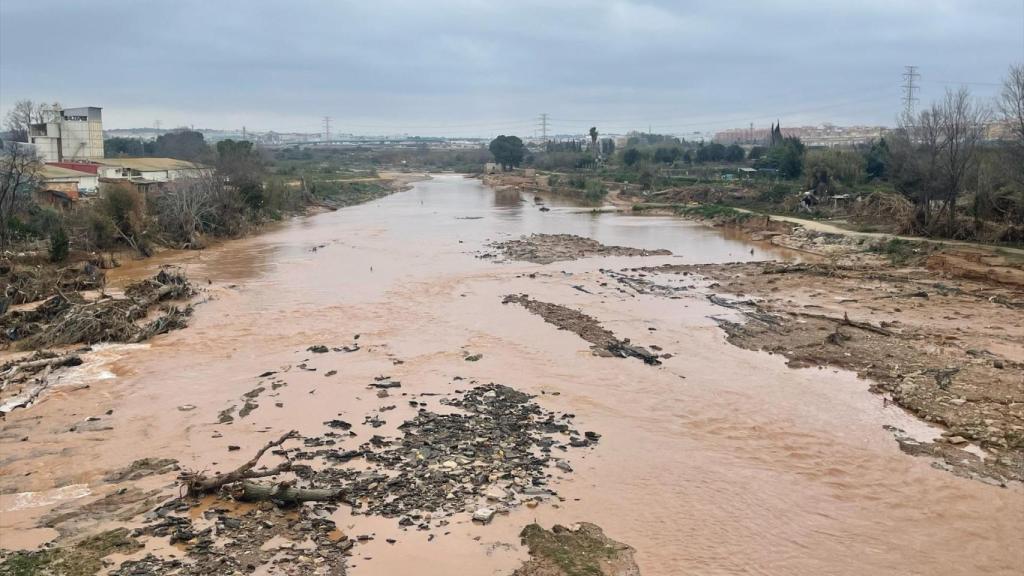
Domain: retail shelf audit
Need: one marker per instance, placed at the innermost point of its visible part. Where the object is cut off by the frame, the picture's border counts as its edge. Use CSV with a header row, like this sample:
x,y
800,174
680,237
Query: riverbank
x,y
368,329
29,277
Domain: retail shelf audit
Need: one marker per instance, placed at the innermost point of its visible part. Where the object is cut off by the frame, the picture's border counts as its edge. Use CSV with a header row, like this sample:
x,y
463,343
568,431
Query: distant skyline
x,y
475,68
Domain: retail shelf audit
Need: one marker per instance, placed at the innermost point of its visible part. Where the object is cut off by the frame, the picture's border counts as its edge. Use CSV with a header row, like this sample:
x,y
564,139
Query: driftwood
x,y
34,373
24,400
865,326
37,365
285,493
845,321
734,304
198,483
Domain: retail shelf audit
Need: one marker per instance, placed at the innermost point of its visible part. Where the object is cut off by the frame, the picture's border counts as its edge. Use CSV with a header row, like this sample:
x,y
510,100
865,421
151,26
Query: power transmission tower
x,y
544,126
910,77
327,128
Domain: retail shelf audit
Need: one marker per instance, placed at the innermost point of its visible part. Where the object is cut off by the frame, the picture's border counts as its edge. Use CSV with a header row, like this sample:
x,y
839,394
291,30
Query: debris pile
x,y
23,284
548,248
496,448
223,541
492,449
66,319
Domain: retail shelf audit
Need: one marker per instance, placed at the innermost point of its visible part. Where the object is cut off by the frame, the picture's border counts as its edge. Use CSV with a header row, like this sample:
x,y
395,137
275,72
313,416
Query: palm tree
x,y
593,139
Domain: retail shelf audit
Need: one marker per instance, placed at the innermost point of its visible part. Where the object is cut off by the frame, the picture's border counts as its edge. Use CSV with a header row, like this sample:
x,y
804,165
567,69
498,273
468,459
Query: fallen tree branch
x,y
37,365
198,483
285,493
845,321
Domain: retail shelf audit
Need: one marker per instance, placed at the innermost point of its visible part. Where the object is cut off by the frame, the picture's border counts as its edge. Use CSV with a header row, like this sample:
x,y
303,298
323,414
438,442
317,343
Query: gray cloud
x,y
478,68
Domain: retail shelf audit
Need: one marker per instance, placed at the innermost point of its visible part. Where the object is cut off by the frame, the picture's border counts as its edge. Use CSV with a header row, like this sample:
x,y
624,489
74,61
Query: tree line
x,y
941,161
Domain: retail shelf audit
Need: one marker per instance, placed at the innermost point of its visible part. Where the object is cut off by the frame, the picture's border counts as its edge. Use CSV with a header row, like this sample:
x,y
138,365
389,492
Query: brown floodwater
x,y
720,461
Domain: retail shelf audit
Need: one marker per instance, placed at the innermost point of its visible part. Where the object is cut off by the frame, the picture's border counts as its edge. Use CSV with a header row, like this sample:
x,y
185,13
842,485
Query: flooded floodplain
x,y
717,461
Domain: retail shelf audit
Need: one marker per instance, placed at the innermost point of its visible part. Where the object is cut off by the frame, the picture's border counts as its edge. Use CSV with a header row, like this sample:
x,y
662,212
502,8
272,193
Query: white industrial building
x,y
149,169
69,134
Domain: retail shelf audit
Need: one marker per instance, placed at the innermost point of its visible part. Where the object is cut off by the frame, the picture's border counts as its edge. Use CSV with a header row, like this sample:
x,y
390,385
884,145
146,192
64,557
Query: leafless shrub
x,y
186,209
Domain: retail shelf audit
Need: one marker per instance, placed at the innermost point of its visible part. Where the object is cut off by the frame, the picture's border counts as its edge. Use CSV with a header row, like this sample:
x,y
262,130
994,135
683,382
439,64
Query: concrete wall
x,y
82,133
47,147
112,172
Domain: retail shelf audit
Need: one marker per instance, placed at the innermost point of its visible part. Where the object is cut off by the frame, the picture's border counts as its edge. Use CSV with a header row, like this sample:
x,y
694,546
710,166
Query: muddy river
x,y
719,461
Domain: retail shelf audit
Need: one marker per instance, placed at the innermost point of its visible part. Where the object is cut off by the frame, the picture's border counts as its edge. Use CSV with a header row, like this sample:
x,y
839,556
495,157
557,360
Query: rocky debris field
x,y
603,341
478,451
548,248
232,539
948,351
494,449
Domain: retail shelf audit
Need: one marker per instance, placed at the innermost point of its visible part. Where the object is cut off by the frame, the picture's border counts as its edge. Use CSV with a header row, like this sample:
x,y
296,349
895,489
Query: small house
x,y
73,182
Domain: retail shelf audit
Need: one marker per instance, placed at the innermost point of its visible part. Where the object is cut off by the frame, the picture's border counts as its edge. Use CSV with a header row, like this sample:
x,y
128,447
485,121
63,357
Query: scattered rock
x,y
484,515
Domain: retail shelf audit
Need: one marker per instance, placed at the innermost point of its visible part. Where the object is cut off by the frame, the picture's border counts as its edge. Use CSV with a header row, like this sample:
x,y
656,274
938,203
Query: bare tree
x,y
961,123
1011,108
187,208
21,116
938,149
19,175
1011,102
916,148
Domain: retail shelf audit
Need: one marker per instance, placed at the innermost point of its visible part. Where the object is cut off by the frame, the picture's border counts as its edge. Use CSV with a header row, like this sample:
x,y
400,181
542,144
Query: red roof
x,y
90,167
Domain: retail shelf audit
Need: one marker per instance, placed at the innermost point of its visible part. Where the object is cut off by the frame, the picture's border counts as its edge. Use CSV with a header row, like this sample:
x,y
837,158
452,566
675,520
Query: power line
x,y
964,83
674,124
910,77
327,128
544,125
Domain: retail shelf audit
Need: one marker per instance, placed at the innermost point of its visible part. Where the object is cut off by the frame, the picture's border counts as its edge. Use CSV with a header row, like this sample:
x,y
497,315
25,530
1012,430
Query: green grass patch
x,y
342,194
713,212
898,250
574,554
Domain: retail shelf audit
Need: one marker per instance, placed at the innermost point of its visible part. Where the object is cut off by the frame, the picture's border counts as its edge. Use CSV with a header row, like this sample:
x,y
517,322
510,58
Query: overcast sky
x,y
475,67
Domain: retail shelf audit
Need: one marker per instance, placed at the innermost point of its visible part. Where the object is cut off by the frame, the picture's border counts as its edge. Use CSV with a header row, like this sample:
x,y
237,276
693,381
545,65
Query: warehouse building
x,y
69,134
